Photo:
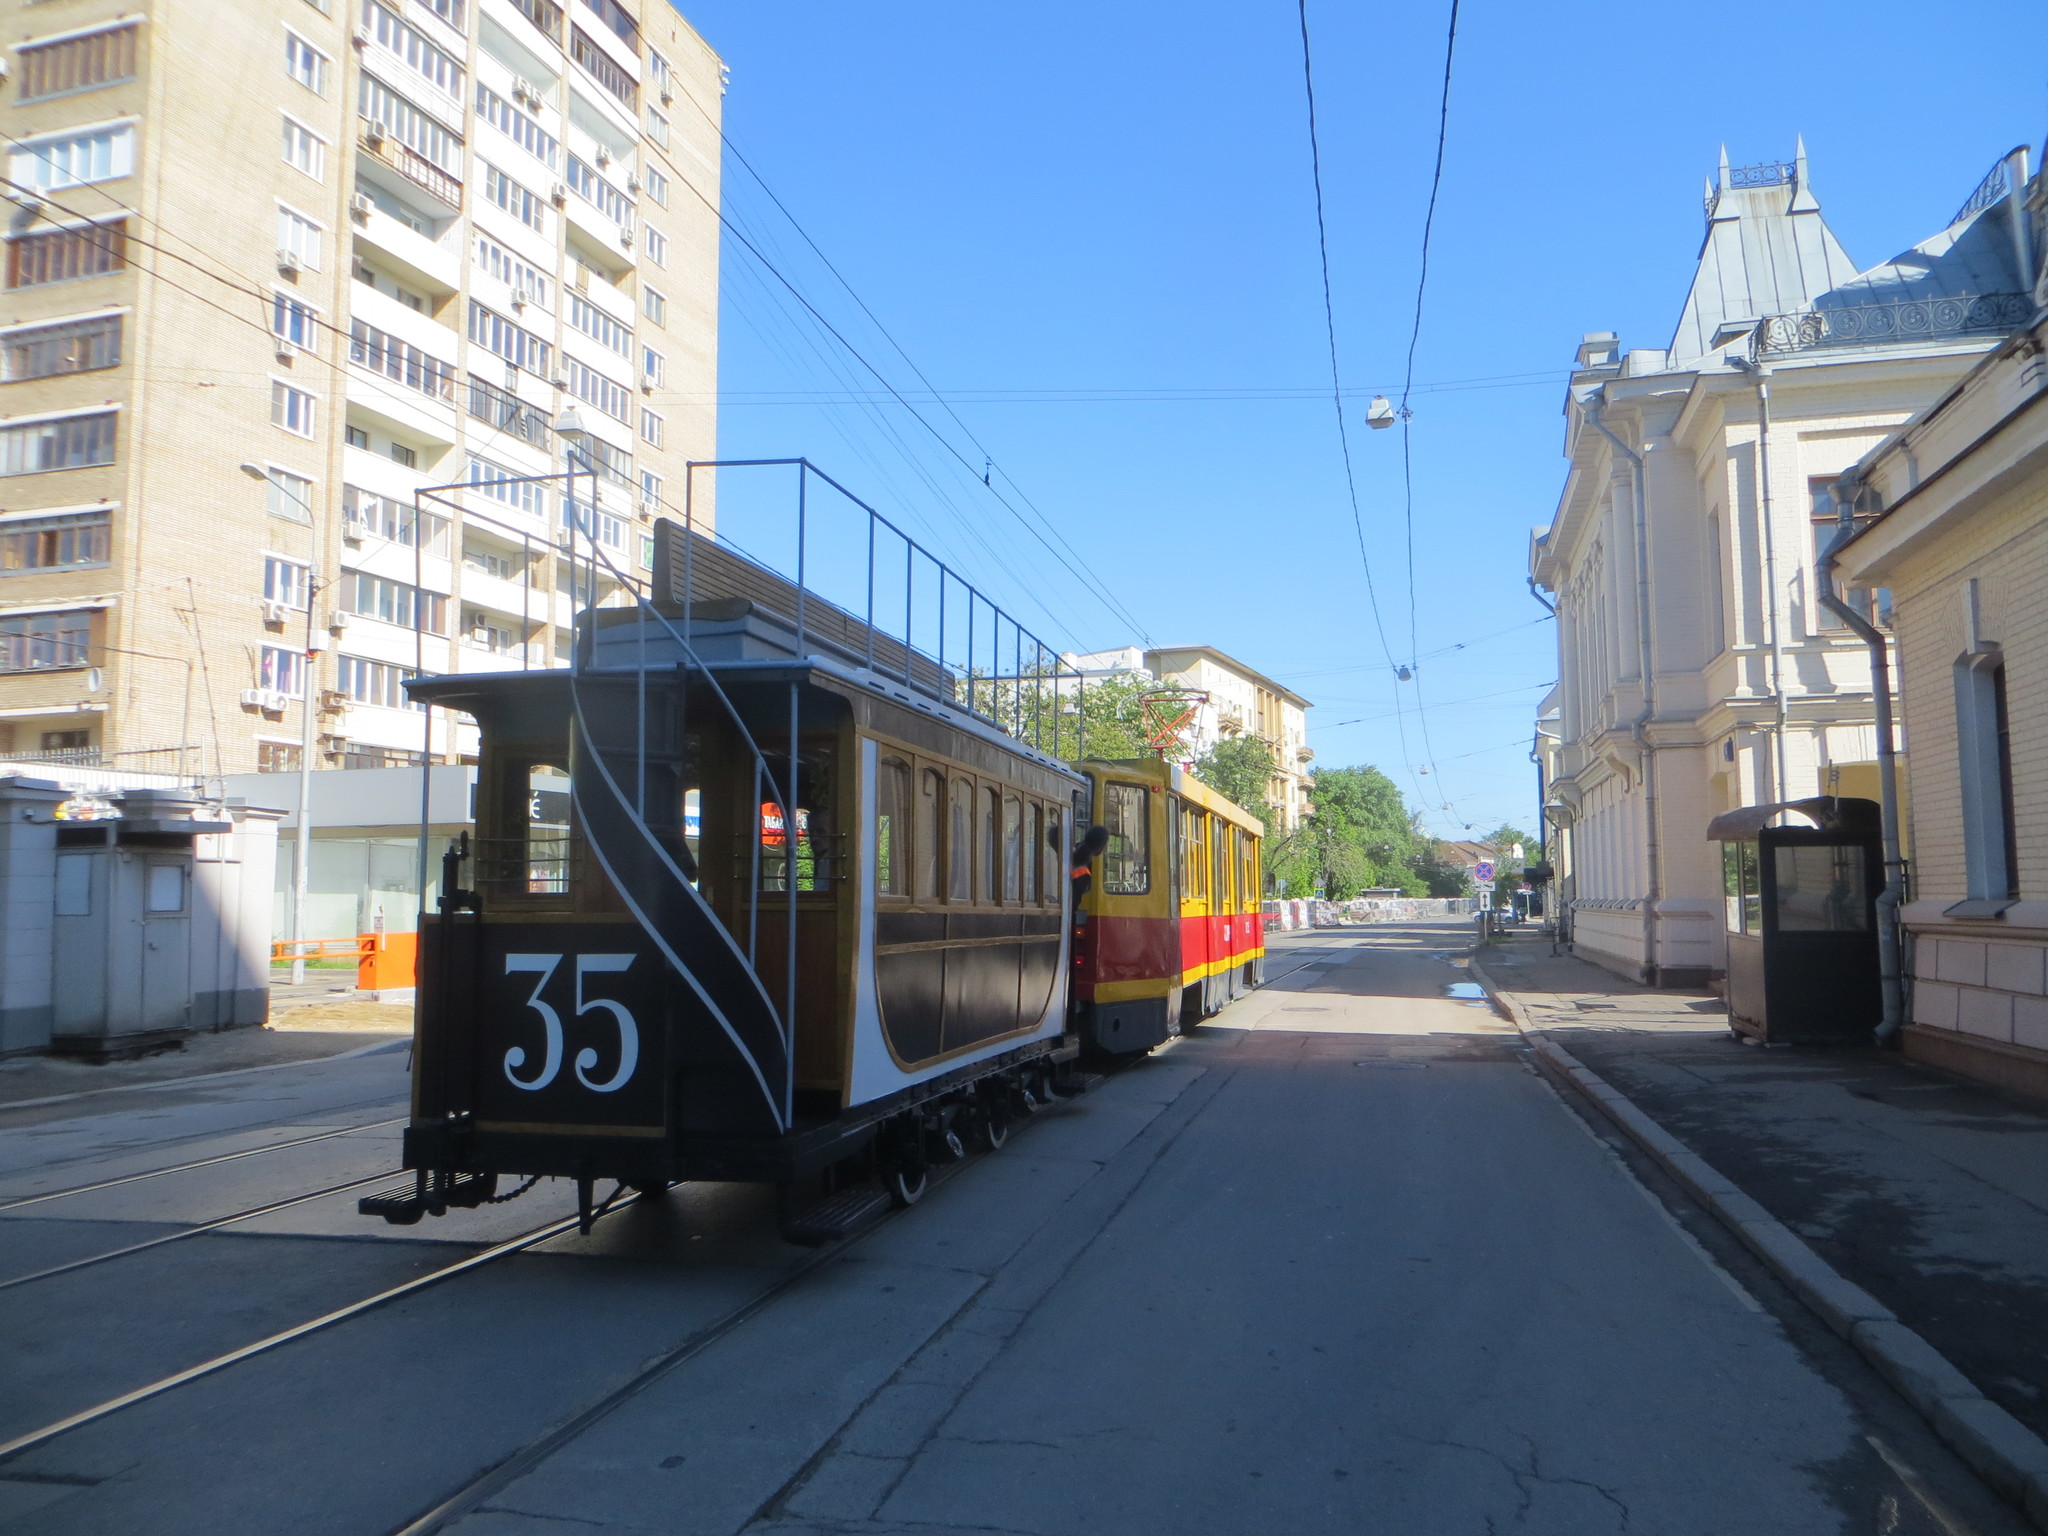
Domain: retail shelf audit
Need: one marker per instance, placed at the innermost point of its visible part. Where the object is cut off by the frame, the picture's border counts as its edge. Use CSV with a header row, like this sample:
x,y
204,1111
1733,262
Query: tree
x,y
1504,839
1240,769
1360,836
1103,718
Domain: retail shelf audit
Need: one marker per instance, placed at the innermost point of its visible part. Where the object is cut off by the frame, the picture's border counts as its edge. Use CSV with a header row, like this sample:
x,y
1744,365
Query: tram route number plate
x,y
571,1025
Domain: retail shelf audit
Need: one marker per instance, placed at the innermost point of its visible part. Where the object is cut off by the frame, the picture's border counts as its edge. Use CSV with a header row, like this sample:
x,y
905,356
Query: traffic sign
x,y
1482,872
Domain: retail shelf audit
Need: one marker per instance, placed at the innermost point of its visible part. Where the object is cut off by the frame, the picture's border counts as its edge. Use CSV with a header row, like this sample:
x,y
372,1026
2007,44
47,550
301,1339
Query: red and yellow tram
x,y
1170,930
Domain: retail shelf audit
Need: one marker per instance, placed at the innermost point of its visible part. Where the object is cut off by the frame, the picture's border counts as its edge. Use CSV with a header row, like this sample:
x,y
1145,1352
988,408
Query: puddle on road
x,y
1466,992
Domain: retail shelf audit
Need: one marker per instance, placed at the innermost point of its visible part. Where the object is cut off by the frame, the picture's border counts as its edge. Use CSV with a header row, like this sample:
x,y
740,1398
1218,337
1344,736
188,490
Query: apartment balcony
x,y
544,17
412,257
504,595
418,173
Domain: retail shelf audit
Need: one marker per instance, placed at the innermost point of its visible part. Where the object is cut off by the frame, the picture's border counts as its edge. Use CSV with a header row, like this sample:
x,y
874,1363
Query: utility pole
x,y
303,848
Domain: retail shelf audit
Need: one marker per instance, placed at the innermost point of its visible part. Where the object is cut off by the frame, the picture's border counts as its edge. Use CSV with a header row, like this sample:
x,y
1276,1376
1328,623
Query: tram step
x,y
401,1204
1075,1084
834,1217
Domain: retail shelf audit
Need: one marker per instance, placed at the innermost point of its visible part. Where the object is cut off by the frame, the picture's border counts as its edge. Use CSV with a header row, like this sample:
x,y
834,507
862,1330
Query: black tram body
x,y
671,839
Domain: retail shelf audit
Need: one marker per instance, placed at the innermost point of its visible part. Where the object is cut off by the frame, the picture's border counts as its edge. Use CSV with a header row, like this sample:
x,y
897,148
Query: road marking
x,y
1916,1485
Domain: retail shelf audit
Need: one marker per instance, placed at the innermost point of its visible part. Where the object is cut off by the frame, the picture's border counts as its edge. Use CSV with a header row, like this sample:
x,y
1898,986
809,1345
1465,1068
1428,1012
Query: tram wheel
x,y
906,1186
992,1129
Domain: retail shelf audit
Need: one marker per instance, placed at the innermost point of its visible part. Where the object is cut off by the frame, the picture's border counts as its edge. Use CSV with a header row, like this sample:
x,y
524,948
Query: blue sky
x,y
1091,227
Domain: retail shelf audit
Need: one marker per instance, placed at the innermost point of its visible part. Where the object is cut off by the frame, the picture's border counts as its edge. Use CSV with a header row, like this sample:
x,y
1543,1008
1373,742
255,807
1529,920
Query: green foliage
x,y
1103,719
1241,770
1441,877
1507,868
1359,836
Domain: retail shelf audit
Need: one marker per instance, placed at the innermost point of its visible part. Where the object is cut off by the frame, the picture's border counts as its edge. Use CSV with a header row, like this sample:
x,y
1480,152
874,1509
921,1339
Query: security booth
x,y
1801,915
124,926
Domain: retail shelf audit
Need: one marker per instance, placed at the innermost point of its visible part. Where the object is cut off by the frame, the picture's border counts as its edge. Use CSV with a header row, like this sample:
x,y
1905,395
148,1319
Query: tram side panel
x,y
1129,967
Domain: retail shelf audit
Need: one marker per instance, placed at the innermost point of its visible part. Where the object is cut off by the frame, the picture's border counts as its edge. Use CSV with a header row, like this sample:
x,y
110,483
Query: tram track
x,y
204,1162
196,1231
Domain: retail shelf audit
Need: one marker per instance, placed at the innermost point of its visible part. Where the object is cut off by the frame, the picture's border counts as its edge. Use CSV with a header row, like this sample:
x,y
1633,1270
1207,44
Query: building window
x,y
1127,861
304,150
56,543
523,278
438,69
657,127
305,63
37,642
282,671
377,103
650,490
517,126
508,413
1868,602
1717,581
277,757
599,326
59,255
73,346
300,237
288,496
518,346
449,11
608,395
1984,757
292,320
291,408
892,828
74,159
657,187
607,199
653,366
72,64
508,486
402,453
613,463
599,66
365,515
594,523
491,632
657,247
524,205
287,581
659,72
486,561
69,442
654,304
393,602
653,428
356,437
373,349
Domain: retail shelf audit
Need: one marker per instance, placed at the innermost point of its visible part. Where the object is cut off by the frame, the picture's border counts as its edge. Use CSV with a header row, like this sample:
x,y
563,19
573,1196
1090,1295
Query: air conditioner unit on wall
x,y
286,352
269,700
340,619
274,612
604,156
333,701
558,194
288,262
362,205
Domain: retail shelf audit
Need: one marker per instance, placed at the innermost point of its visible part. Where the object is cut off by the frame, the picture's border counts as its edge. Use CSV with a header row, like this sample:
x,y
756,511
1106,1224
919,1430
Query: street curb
x,y
2001,1450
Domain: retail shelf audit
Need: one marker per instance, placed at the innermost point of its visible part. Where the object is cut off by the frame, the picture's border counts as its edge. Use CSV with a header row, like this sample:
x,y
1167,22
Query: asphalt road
x,y
1340,1262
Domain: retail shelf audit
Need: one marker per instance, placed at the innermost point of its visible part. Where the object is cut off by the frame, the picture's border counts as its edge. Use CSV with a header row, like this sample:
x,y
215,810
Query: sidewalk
x,y
1930,1192
306,1023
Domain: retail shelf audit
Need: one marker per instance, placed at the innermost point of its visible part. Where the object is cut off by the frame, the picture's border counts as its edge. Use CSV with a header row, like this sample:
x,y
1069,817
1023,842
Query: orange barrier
x,y
383,960
389,960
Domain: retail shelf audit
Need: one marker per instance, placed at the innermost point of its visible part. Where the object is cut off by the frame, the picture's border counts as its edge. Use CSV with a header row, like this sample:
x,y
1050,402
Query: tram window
x,y
1127,861
1220,861
960,842
693,832
1033,841
817,843
1013,848
925,846
892,828
1052,850
547,830
989,846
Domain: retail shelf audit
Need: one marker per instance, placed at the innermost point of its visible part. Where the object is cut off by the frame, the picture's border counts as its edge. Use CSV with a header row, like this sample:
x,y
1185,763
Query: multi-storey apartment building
x,y
272,268
1234,701
1697,671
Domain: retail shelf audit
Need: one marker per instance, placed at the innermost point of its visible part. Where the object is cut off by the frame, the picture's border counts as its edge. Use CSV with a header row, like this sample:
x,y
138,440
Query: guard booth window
x,y
1742,883
1820,890
1127,861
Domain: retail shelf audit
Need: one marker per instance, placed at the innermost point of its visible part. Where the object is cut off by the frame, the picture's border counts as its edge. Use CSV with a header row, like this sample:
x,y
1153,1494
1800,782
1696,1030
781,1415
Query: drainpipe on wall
x,y
1646,664
1756,372
1890,951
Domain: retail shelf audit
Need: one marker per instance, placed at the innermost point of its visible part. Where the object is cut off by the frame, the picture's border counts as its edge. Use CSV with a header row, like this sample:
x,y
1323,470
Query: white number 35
x,y
545,966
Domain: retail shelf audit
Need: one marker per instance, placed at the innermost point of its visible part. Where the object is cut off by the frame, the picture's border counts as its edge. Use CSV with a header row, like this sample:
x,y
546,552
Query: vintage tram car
x,y
751,896
1171,927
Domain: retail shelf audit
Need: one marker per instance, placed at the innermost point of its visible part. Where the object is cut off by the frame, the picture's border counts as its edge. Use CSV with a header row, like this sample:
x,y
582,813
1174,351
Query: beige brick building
x,y
1963,547
1697,671
272,268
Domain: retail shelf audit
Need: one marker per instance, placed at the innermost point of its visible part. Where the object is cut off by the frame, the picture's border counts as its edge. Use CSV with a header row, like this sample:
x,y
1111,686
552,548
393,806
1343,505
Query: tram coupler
x,y
429,1193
